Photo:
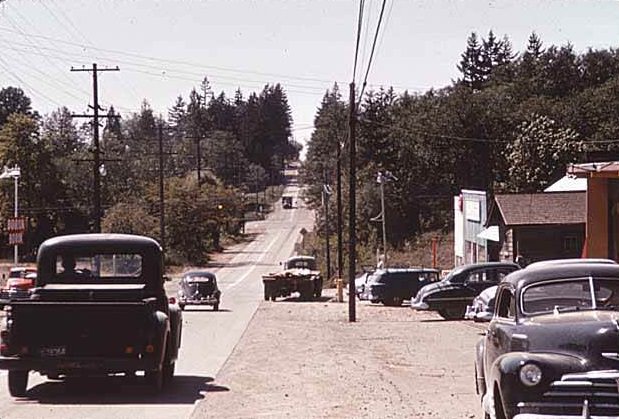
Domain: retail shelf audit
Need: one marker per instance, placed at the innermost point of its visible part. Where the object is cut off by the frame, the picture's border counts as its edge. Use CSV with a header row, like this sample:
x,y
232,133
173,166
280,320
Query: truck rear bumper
x,y
109,365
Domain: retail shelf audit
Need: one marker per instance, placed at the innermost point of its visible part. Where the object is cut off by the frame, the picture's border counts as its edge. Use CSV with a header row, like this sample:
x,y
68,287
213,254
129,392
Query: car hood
x,y
591,334
435,287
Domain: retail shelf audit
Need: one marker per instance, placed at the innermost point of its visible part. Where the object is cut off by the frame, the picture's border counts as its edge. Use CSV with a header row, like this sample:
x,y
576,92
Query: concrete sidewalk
x,y
304,360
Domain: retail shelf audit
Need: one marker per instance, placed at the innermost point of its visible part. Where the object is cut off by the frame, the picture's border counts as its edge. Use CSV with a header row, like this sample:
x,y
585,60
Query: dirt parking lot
x,y
304,360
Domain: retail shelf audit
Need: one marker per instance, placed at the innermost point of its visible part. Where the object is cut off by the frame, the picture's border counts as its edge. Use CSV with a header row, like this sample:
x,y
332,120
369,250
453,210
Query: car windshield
x,y
99,267
454,274
199,278
571,295
301,264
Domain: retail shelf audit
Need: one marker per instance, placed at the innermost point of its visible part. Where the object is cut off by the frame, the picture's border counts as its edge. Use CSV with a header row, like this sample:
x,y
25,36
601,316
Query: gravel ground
x,y
304,360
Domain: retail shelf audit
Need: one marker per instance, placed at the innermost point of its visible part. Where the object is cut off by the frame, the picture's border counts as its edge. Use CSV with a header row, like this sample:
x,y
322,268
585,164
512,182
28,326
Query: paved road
x,y
208,339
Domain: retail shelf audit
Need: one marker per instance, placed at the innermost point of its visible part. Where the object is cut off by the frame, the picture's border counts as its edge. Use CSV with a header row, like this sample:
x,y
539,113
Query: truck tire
x,y
18,383
318,288
168,372
216,306
154,379
267,293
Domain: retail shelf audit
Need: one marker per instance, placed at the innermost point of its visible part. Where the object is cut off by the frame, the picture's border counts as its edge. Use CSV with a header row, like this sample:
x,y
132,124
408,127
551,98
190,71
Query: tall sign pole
x,y
352,207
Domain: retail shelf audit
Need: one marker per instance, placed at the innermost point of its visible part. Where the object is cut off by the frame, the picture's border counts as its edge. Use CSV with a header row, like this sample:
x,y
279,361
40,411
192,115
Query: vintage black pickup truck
x,y
98,308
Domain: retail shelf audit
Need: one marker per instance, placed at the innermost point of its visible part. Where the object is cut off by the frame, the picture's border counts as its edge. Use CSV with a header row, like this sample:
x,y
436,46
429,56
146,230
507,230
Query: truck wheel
x,y
154,379
216,306
168,372
182,306
18,382
318,289
267,294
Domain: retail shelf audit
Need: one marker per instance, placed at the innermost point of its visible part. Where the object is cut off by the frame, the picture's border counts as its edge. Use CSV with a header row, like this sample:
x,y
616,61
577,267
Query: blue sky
x,y
164,48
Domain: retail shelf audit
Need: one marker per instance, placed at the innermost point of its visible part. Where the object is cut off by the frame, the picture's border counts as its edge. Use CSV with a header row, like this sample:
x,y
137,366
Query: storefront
x,y
602,208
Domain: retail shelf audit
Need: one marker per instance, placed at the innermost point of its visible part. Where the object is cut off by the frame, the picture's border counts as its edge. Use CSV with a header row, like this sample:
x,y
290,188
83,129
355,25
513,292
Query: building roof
x,y
609,169
568,184
542,208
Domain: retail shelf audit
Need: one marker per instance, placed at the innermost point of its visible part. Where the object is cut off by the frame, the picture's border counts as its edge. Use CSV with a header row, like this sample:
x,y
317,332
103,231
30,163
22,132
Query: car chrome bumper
x,y
202,301
420,305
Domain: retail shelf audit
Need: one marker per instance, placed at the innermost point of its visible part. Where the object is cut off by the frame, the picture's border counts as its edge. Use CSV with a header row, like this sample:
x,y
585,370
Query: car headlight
x,y
530,375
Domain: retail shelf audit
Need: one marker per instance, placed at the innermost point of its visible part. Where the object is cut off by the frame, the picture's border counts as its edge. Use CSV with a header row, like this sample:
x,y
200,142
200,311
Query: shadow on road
x,y
185,389
236,264
205,308
322,299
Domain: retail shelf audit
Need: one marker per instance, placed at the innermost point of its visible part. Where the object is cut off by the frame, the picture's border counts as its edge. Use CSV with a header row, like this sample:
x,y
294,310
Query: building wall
x,y
597,218
536,243
470,212
475,213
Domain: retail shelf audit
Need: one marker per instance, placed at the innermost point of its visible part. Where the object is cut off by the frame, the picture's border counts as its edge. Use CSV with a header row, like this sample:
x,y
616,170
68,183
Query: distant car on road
x,y
456,291
18,285
550,350
286,202
199,288
394,285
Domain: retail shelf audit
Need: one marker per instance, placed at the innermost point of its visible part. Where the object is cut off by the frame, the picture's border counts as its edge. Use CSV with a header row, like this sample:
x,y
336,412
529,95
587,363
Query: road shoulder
x,y
303,359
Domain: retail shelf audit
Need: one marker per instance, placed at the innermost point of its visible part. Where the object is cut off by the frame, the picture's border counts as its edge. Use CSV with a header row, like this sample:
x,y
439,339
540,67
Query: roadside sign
x,y
16,224
16,238
16,227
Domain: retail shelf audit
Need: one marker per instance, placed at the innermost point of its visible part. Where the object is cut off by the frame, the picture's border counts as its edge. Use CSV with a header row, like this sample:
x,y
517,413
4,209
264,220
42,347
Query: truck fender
x,y
162,331
176,326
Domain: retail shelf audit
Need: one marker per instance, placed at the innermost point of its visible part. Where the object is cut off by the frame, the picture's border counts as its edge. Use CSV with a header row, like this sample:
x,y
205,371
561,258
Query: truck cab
x,y
98,308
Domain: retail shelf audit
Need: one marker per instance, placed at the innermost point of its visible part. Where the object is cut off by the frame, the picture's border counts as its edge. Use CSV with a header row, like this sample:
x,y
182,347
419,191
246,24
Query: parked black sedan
x,y
199,288
456,291
394,285
551,348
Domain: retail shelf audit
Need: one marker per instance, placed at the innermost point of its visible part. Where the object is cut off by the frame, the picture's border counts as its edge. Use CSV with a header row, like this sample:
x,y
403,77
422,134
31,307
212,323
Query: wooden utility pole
x,y
161,194
326,193
352,207
95,140
340,255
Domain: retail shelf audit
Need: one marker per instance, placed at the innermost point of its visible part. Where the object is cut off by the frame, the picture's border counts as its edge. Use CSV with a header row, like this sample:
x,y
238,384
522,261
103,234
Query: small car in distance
x,y
199,288
456,291
392,286
286,202
18,285
550,350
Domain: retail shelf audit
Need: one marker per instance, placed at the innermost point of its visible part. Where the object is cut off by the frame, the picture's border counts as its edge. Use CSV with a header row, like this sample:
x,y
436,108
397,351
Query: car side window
x,y
507,304
474,277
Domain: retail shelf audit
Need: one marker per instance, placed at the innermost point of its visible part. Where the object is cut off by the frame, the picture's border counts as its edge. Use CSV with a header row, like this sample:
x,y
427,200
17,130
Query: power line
x,y
359,25
367,72
182,62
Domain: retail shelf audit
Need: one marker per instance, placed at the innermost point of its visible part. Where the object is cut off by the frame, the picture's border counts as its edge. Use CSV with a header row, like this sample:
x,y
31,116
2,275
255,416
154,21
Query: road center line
x,y
246,274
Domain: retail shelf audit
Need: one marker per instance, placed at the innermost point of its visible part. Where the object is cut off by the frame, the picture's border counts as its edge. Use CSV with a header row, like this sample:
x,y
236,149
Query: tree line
x,y
511,122
216,150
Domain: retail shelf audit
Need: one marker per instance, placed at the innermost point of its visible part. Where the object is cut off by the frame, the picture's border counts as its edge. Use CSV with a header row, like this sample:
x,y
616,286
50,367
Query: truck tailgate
x,y
76,329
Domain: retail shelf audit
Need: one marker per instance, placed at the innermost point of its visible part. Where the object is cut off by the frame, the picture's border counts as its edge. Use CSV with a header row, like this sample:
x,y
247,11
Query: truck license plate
x,y
54,351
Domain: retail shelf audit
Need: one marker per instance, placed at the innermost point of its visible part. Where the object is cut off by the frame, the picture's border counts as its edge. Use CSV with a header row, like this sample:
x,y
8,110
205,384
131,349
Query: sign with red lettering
x,y
16,227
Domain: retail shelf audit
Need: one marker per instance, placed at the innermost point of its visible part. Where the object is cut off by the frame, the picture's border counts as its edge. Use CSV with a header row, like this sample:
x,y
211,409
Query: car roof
x,y
568,261
301,258
99,242
541,272
383,271
199,273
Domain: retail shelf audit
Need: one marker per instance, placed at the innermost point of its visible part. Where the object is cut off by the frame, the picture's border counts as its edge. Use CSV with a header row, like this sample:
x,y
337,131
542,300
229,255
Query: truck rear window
x,y
70,268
